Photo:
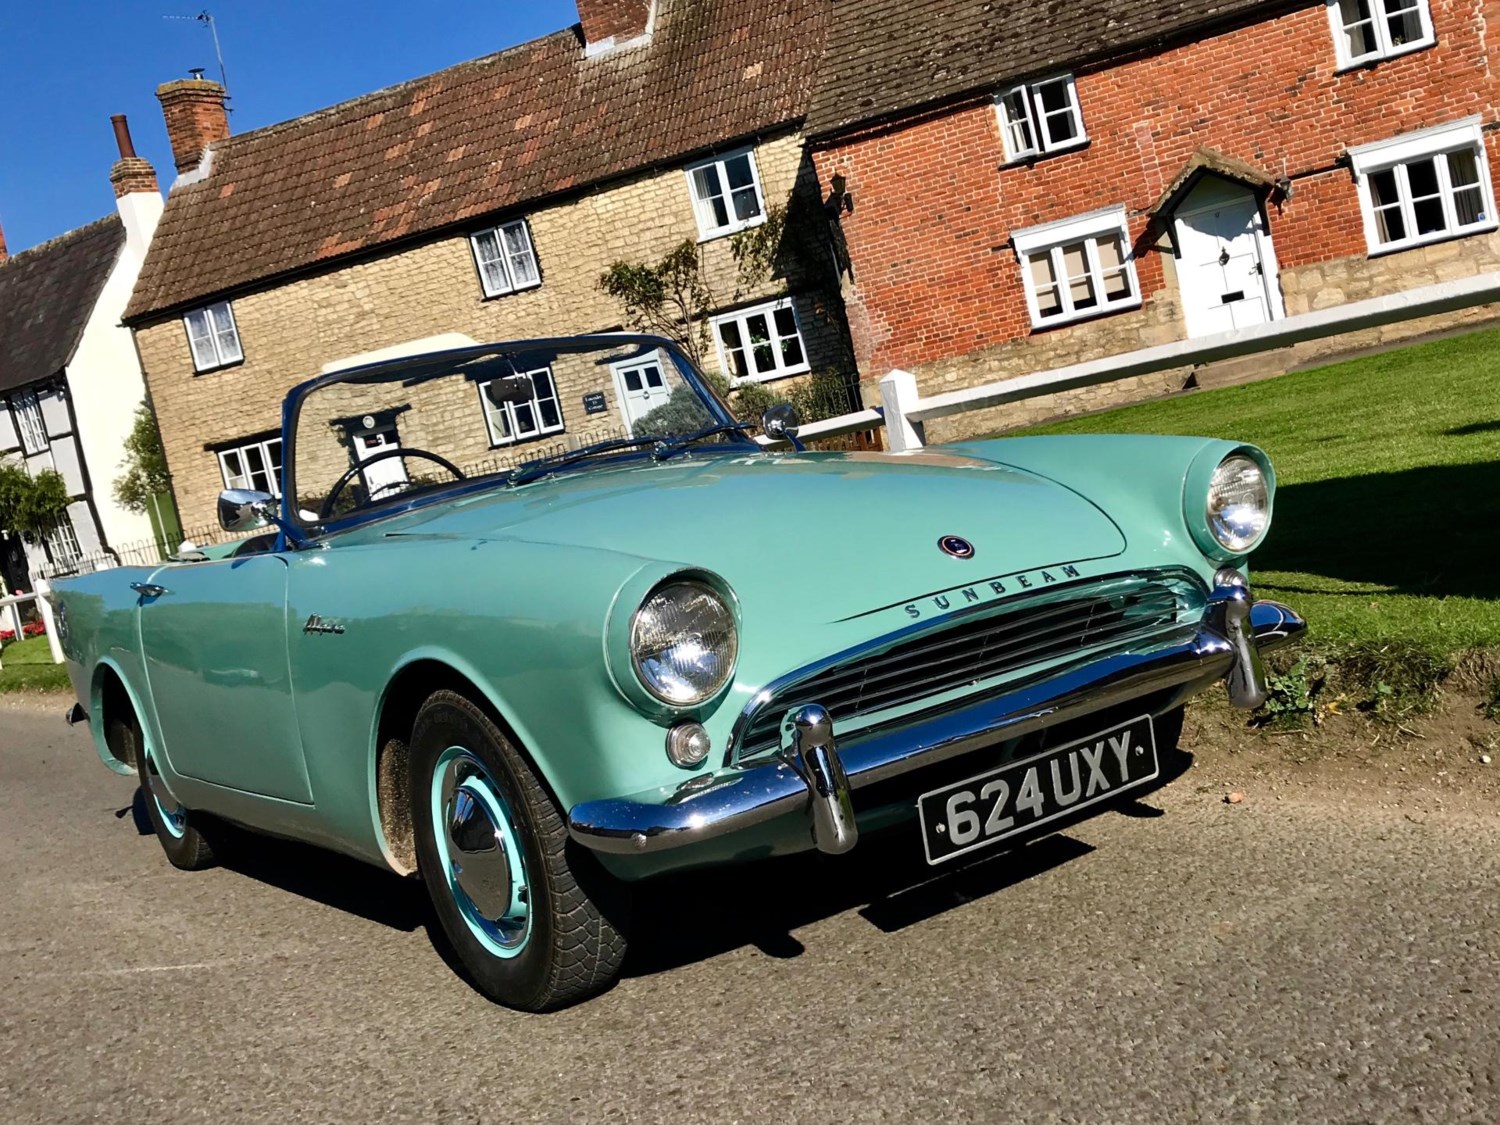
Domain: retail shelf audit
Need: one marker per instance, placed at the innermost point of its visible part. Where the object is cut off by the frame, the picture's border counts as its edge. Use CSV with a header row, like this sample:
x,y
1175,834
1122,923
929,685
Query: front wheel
x,y
524,911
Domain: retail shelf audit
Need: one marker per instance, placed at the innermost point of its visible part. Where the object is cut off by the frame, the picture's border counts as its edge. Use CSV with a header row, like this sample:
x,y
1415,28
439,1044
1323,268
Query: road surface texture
x,y
1307,955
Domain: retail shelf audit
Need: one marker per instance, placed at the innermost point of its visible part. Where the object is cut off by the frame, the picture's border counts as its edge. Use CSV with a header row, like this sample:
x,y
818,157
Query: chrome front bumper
x,y
814,777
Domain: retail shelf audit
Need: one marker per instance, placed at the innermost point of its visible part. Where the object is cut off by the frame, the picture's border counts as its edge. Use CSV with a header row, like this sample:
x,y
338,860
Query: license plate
x,y
1016,798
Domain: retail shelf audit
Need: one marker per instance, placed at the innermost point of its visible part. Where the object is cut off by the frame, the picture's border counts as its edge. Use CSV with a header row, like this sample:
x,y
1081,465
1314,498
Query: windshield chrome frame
x,y
291,412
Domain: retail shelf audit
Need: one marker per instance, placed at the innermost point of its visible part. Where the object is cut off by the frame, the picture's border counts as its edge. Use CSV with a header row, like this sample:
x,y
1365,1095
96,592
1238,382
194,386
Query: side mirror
x,y
513,389
781,422
244,509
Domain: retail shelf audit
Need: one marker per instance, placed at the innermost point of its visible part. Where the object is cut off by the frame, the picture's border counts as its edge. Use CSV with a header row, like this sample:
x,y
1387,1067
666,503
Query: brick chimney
x,y
136,193
196,118
608,23
4,253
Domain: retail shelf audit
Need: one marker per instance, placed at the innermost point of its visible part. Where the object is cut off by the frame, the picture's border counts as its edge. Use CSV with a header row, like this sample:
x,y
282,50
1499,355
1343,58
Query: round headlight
x,y
683,643
1239,503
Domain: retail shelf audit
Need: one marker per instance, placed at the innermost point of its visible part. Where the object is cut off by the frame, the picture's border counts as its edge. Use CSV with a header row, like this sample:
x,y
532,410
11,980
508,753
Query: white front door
x,y
642,388
382,476
1226,270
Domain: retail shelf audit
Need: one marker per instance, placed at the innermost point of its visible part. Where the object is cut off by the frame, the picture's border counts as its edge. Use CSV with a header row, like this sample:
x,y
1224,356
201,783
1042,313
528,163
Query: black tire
x,y
575,943
186,846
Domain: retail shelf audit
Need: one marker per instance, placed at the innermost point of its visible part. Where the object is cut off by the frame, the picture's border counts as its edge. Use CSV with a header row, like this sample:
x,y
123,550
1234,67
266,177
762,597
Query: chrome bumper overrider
x,y
812,775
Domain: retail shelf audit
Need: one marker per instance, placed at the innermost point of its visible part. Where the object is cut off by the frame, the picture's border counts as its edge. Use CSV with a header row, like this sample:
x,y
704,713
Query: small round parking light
x,y
687,745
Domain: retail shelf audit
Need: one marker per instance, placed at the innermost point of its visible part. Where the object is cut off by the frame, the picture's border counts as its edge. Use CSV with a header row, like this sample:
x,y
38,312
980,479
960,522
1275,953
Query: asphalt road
x,y
1307,957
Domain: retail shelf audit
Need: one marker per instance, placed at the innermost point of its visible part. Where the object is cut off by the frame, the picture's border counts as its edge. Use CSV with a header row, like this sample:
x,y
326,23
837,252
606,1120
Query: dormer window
x,y
213,337
1041,117
1368,30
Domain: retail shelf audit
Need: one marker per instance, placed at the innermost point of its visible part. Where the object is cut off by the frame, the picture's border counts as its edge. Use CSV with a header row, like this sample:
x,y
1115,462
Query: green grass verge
x,y
1387,527
27,666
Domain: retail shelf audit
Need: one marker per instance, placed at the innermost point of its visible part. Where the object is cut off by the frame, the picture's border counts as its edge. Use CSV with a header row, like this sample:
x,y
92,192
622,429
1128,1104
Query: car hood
x,y
827,534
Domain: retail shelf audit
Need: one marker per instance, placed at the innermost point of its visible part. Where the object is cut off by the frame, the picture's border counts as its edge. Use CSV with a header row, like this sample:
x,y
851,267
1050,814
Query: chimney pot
x,y
4,253
617,20
122,136
195,116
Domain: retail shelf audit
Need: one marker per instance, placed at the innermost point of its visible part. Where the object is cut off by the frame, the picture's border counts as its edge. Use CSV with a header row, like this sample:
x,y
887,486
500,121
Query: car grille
x,y
1087,621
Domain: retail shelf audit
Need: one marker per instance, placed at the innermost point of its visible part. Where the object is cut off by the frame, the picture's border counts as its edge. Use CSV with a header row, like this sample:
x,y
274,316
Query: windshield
x,y
374,437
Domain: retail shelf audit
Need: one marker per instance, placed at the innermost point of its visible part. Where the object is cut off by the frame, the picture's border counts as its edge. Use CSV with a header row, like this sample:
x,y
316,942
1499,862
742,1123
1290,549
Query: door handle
x,y
149,589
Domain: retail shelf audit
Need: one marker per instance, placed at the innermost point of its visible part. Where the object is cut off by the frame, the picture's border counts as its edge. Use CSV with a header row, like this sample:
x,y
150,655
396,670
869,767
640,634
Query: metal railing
x,y
143,552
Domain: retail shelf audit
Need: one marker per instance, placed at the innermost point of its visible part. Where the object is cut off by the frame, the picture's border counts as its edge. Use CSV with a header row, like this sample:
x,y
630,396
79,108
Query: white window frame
x,y
1036,118
211,352
740,317
62,542
1395,153
264,445
31,425
703,211
487,409
511,285
1050,238
1380,22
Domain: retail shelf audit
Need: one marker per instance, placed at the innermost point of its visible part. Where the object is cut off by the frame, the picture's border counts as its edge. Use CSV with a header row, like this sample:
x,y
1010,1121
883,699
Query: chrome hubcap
x,y
476,856
480,854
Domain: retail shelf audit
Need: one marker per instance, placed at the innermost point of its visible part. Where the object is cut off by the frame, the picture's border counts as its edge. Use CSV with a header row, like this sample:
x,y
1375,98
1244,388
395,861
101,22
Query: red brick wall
x,y
624,19
194,112
933,210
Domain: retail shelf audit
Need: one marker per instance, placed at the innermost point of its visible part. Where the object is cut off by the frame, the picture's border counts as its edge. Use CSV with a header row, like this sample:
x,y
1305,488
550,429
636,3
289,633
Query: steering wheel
x,y
400,451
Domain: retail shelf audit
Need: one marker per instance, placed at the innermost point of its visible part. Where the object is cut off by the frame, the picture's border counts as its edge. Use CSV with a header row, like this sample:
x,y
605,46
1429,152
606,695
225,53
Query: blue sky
x,y
70,64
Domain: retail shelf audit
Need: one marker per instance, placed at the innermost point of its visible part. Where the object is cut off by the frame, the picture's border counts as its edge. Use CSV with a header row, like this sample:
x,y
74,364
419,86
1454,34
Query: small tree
x,y
670,298
145,475
31,505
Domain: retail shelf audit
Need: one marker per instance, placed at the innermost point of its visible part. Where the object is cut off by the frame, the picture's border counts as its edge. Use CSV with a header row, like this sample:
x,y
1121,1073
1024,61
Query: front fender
x,y
1145,482
523,622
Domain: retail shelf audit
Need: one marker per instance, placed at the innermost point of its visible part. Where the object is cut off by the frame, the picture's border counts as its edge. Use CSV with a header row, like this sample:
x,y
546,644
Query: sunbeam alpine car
x,y
532,682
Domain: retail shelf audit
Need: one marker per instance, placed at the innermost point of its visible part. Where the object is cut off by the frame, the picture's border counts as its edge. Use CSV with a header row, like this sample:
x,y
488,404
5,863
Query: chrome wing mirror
x,y
781,423
245,509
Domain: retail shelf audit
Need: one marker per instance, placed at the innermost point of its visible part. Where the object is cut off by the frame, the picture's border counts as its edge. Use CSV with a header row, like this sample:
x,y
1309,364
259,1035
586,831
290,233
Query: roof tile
x,y
47,294
493,134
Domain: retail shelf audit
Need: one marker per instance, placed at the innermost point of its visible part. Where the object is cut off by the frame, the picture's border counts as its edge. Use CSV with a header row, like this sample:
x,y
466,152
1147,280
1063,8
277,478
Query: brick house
x,y
480,203
70,380
1033,185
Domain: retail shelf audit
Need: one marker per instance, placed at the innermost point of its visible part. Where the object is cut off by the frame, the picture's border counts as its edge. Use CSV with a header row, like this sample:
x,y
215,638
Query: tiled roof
x,y
886,57
46,296
481,137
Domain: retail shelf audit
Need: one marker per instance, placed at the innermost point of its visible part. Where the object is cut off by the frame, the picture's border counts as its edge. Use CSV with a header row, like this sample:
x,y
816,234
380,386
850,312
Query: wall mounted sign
x,y
593,403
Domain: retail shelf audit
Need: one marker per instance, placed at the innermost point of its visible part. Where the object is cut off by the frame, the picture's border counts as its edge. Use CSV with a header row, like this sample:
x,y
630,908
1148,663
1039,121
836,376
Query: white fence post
x,y
15,618
898,393
49,619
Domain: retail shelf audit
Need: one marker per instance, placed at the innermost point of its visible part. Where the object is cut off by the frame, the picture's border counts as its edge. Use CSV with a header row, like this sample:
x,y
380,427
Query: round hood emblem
x,y
957,546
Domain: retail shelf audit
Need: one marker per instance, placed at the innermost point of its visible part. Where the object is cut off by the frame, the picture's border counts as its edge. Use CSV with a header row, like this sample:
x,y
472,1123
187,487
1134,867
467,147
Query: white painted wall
x,y
105,378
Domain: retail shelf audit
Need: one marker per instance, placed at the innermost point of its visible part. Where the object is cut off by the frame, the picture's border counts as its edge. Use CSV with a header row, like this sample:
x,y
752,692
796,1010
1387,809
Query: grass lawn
x,y
1387,523
27,666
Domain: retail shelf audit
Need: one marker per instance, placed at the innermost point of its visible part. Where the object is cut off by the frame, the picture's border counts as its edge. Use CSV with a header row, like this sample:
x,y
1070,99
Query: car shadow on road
x,y
681,919
334,880
685,918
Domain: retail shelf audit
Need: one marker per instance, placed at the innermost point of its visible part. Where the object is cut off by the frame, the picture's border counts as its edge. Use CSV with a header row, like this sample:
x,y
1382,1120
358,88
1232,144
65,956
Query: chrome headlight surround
x,y
684,642
672,643
1227,500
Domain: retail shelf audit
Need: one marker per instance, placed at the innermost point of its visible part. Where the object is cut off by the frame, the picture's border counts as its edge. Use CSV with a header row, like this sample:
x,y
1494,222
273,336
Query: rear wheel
x,y
181,839
524,911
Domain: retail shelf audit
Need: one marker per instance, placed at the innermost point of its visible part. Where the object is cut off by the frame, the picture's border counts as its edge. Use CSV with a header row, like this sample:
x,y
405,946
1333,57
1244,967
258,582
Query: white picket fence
x,y
10,610
904,408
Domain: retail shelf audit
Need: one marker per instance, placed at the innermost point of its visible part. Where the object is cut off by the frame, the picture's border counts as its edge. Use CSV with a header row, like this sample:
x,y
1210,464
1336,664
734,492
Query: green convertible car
x,y
670,645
